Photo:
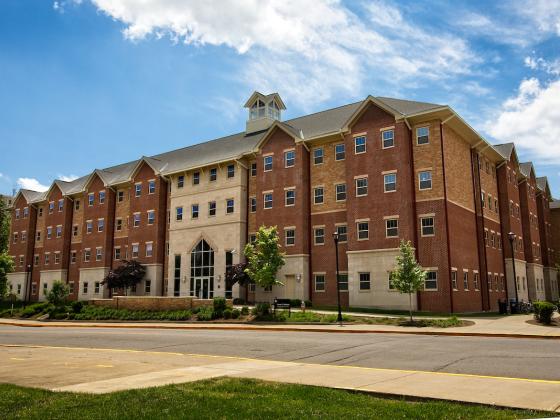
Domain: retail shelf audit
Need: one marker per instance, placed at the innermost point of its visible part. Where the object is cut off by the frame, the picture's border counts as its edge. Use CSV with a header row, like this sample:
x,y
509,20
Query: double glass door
x,y
203,288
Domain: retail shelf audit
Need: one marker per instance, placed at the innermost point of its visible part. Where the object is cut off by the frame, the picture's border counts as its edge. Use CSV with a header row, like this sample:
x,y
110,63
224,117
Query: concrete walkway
x,y
106,370
508,326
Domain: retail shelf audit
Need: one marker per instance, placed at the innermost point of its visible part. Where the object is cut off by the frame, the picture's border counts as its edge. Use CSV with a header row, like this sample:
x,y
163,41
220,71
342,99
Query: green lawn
x,y
233,398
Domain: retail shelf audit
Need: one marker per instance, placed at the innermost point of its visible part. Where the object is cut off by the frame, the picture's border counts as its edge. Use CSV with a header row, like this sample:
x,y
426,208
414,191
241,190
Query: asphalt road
x,y
520,358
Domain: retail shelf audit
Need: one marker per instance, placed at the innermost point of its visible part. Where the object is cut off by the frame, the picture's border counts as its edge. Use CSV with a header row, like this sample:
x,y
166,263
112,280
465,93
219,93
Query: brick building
x,y
375,171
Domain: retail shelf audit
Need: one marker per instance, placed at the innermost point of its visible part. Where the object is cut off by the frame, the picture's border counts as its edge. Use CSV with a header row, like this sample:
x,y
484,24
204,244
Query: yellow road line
x,y
16,358
426,372
104,366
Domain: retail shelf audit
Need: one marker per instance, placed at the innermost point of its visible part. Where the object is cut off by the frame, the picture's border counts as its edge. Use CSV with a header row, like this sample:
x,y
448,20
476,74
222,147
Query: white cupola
x,y
263,111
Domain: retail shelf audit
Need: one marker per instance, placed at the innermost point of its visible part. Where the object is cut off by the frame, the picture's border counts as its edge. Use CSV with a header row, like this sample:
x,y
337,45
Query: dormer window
x,y
273,110
263,111
257,110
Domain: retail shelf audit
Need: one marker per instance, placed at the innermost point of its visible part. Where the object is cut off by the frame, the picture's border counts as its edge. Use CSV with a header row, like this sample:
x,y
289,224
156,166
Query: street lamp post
x,y
335,237
511,237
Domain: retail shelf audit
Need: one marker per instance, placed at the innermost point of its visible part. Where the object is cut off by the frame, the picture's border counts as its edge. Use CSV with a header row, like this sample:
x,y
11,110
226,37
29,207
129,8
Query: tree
x,y
128,274
264,258
408,277
58,295
4,226
6,266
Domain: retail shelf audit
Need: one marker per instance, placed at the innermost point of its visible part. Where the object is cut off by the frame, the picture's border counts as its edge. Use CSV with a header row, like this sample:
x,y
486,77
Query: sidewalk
x,y
507,327
107,370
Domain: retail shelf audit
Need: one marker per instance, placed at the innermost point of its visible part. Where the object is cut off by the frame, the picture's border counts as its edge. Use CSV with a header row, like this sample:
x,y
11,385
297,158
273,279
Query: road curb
x,y
281,329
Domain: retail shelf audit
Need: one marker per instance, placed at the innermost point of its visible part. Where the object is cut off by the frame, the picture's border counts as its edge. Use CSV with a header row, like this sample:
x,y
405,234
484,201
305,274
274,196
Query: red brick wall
x,y
509,193
26,224
527,192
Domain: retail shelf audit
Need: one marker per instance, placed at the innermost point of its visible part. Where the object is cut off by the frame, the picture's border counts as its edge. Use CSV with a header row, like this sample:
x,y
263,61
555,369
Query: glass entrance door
x,y
203,288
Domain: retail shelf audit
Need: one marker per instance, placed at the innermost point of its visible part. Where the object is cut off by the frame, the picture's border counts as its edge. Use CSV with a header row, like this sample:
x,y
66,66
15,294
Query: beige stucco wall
x,y
48,277
288,275
91,276
551,278
535,274
521,271
378,263
154,273
15,279
223,232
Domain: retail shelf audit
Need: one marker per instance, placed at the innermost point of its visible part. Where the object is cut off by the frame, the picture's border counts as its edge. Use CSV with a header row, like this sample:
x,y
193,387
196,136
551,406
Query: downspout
x,y
414,206
446,219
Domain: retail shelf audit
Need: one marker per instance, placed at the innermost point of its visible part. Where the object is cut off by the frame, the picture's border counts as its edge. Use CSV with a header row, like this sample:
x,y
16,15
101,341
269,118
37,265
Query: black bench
x,y
282,304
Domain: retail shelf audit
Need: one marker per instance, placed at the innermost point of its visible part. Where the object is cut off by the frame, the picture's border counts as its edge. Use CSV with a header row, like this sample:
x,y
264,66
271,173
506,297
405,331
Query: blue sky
x,y
87,84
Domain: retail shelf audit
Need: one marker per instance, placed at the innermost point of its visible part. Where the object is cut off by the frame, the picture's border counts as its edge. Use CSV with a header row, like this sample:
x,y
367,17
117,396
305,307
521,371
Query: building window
x,y
148,287
15,236
230,206
268,201
392,228
318,156
343,282
101,197
85,287
179,213
38,235
253,204
230,171
56,258
117,253
466,280
87,254
151,217
319,235
89,228
96,287
427,226
267,160
194,211
58,231
422,135
454,279
318,195
120,196
361,187
35,259
23,236
41,211
138,190
180,181
75,230
25,212
135,250
390,182
289,158
342,231
196,178
340,192
149,249
51,207
91,199
388,138
212,208
77,205
17,213
339,152
425,180
365,282
136,220
431,281
213,174
319,282
290,197
100,225
119,224
290,237
151,186
47,258
254,169
363,230
359,144
60,204
98,254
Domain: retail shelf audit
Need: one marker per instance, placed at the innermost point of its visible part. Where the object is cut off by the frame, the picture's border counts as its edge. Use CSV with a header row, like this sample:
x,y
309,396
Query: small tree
x,y
58,295
4,227
128,274
264,258
408,276
6,266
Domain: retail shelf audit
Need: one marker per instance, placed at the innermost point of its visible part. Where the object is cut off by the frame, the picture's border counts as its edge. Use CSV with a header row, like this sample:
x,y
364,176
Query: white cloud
x,y
544,15
550,67
306,49
530,119
31,184
67,178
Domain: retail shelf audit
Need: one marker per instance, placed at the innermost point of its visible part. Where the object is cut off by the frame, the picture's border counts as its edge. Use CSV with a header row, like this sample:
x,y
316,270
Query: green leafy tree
x,y
128,274
264,258
58,295
4,227
6,266
408,277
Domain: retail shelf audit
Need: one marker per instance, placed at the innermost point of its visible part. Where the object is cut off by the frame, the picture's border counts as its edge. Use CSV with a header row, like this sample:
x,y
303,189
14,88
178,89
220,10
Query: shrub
x,y
227,313
543,311
220,306
308,304
58,295
77,306
245,310
261,309
34,309
295,303
239,301
236,313
205,313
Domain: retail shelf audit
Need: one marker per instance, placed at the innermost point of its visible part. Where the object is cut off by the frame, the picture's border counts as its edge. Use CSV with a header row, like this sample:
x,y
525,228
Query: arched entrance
x,y
202,271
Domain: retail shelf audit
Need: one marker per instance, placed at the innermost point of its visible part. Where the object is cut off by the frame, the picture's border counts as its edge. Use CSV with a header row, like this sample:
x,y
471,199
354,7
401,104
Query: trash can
x,y
513,307
502,305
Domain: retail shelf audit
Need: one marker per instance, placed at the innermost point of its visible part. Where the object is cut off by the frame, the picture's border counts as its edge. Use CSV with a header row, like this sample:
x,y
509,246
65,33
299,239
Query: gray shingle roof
x,y
542,182
408,107
526,167
504,149
555,204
